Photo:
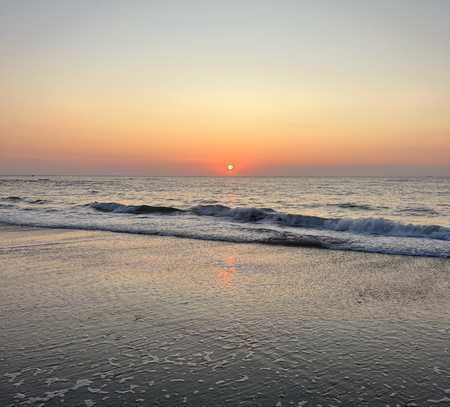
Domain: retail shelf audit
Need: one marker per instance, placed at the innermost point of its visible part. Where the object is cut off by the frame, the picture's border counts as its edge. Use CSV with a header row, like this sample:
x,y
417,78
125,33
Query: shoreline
x,y
117,319
277,255
282,240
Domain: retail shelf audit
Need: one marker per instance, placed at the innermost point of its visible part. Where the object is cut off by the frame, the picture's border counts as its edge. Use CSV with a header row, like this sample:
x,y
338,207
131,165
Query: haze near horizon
x,y
192,87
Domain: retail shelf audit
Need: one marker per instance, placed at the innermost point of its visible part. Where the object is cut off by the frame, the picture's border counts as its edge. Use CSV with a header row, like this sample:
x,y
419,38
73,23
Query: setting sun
x,y
246,190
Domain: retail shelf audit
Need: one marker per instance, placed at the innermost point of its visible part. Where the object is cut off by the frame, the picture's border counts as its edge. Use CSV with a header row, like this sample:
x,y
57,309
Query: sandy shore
x,y
96,318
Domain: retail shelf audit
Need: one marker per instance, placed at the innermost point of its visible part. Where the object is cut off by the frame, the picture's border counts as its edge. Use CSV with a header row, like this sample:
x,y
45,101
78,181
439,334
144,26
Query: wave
x,y
260,236
240,214
27,200
385,227
376,226
22,180
373,226
134,209
351,205
421,210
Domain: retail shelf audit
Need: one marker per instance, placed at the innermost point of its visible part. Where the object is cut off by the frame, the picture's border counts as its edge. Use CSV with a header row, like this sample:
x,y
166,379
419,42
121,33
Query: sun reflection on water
x,y
226,273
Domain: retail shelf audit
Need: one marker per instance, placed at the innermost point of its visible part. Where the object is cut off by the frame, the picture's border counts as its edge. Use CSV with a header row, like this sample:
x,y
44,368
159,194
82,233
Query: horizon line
x,y
224,176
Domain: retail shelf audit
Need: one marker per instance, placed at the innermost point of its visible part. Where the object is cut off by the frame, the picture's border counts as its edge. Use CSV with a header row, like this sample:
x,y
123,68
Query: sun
x,y
230,167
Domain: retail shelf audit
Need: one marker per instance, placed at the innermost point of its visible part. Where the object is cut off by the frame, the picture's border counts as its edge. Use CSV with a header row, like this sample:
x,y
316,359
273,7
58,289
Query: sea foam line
x,y
374,226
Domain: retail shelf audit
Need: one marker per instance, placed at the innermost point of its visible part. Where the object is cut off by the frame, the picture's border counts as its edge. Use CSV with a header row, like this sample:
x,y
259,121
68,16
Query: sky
x,y
186,87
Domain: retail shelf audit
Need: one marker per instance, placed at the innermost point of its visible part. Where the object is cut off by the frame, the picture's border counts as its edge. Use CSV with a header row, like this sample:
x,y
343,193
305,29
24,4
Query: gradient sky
x,y
184,87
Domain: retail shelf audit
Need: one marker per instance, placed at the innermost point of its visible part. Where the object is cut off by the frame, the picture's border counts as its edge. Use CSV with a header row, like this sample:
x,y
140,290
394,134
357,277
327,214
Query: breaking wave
x,y
261,236
134,209
372,226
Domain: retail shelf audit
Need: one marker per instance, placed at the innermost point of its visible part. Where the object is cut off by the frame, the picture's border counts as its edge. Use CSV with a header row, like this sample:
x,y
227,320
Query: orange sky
x,y
188,96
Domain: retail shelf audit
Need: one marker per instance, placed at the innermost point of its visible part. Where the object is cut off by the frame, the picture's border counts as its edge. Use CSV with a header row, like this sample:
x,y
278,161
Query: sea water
x,y
409,216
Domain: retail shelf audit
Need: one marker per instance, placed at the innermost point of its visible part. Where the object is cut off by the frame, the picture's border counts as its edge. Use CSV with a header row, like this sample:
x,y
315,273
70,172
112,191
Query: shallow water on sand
x,y
94,318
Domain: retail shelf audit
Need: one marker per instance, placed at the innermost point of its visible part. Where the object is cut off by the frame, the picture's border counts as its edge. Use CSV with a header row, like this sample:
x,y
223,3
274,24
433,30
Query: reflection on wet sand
x,y
91,318
227,270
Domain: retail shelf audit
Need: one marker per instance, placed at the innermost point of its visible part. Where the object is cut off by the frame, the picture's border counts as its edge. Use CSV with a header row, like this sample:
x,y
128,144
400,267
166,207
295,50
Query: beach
x,y
99,318
225,203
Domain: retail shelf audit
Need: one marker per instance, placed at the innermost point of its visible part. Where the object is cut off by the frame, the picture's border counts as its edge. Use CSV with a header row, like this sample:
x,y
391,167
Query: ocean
x,y
93,318
408,216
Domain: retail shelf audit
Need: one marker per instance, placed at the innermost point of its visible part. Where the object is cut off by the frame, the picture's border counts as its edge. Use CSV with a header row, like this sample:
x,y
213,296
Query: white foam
x,y
366,235
82,383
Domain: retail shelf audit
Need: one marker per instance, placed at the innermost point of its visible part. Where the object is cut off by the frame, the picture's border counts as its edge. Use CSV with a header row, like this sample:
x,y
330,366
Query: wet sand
x,y
97,318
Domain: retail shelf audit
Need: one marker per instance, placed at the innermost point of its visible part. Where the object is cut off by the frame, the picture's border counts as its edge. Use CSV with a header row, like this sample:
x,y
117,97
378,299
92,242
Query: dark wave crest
x,y
374,226
26,200
356,206
12,199
134,209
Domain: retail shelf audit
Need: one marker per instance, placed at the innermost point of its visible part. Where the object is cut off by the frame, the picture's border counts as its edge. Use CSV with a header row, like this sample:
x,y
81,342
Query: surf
x,y
371,226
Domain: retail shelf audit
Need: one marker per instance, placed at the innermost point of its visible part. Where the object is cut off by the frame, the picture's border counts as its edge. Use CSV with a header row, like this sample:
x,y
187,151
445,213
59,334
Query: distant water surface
x,y
388,215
